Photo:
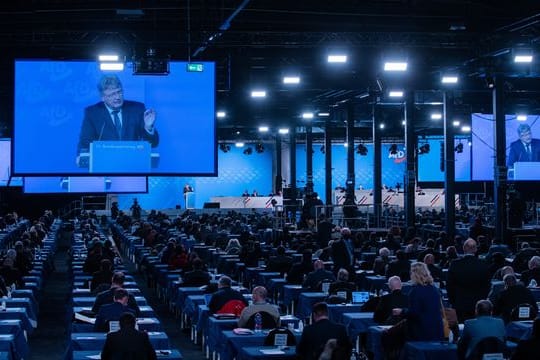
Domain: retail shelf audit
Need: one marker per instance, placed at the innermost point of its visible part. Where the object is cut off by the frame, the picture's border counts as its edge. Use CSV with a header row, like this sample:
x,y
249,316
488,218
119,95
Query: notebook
x,y
360,297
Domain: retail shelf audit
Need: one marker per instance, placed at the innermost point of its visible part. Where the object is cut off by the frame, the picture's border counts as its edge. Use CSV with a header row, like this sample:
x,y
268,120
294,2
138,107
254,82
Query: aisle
x,y
179,339
49,339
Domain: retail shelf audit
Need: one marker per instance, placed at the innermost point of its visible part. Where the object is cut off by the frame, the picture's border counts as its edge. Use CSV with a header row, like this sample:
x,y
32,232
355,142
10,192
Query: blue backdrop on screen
x,y
237,172
429,165
393,167
85,184
50,97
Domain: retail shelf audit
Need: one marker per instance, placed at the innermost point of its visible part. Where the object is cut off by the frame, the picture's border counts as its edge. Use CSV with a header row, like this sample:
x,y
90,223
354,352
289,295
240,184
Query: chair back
x,y
492,347
523,312
277,335
268,321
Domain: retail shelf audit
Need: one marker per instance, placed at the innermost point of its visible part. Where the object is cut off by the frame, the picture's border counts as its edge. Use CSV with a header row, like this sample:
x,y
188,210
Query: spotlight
x,y
361,149
248,151
459,148
424,149
259,148
393,149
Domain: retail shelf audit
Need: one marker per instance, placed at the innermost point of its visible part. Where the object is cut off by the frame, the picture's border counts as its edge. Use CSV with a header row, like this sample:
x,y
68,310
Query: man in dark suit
x,y
114,118
112,312
106,297
483,326
343,252
299,269
314,278
513,295
395,299
103,276
196,277
525,148
128,343
400,267
468,281
280,263
315,336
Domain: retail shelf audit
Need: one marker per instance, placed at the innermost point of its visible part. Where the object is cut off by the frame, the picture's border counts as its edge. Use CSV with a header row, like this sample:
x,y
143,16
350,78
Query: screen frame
x,y
82,192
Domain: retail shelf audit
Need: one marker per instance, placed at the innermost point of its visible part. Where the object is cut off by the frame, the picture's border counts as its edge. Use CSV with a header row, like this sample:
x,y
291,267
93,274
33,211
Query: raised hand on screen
x,y
149,119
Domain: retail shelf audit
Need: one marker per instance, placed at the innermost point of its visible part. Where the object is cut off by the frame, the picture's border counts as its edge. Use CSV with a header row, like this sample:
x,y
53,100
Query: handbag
x,y
450,321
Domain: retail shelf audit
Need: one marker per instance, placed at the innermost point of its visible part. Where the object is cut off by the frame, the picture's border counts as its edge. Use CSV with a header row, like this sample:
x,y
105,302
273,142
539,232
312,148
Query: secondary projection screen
x,y
67,125
5,165
429,165
86,184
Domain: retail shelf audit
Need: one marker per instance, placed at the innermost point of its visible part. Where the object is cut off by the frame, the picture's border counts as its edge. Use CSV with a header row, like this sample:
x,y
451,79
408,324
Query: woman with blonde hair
x,y
424,314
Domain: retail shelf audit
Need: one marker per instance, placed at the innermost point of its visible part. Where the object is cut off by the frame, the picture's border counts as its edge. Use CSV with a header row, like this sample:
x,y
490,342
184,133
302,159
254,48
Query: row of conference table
x,y
20,309
83,342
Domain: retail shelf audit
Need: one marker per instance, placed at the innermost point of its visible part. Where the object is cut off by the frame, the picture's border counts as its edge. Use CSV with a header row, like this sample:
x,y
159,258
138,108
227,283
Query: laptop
x,y
360,297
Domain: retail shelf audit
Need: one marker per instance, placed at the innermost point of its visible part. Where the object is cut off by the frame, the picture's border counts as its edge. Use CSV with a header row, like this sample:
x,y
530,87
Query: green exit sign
x,y
191,67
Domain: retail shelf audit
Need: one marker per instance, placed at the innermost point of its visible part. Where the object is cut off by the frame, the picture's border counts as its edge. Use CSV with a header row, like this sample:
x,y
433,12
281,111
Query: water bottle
x,y
258,323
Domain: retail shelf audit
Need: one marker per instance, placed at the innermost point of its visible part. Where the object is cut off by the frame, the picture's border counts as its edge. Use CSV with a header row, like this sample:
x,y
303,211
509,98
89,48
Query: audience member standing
x,y
468,281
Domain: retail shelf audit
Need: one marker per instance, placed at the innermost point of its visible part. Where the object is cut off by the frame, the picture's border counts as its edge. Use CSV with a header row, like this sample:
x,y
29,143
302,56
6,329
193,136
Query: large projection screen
x,y
66,126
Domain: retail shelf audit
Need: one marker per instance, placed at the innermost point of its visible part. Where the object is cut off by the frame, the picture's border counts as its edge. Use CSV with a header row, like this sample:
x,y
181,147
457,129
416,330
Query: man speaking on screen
x,y
525,149
114,118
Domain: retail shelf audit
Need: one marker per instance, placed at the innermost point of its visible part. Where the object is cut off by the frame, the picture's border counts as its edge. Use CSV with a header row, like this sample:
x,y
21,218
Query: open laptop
x,y
360,297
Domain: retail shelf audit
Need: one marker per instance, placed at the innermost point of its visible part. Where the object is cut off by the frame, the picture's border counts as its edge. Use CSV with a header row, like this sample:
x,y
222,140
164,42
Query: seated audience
x,y
113,311
260,305
315,336
103,276
379,265
481,327
300,269
521,260
106,297
394,299
514,294
529,348
342,284
434,270
280,263
196,277
314,278
226,299
533,272
128,343
400,267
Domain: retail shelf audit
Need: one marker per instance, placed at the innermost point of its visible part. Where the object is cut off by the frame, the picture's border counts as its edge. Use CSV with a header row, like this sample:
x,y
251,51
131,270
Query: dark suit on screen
x,y
98,125
128,344
519,154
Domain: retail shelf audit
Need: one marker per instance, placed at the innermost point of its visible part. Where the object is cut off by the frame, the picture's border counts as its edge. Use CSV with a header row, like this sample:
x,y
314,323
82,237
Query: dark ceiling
x,y
256,42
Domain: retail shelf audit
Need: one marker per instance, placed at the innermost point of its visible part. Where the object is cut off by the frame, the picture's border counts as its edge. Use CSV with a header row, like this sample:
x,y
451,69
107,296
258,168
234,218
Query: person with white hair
x,y
394,299
533,272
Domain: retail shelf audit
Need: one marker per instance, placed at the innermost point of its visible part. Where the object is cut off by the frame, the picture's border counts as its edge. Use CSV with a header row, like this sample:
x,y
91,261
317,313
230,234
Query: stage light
x,y
395,66
466,128
291,80
239,144
248,151
263,129
323,114
109,57
259,148
449,79
523,58
283,131
337,59
459,148
395,93
455,123
393,149
307,115
381,126
258,94
345,144
221,114
403,122
521,117
436,116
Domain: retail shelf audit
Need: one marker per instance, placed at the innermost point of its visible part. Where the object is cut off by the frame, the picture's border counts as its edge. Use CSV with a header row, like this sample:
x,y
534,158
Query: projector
x,y
151,66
